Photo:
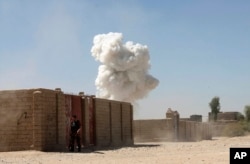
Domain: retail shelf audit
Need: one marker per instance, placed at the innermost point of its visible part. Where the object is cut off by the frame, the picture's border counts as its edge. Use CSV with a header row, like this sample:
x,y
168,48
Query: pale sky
x,y
198,49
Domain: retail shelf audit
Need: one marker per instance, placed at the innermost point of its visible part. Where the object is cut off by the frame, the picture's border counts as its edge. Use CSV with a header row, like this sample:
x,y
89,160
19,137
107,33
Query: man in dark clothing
x,y
75,127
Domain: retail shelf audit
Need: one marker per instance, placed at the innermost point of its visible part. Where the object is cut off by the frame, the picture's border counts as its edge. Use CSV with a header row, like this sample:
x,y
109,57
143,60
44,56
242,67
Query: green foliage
x,y
240,117
215,107
247,113
246,125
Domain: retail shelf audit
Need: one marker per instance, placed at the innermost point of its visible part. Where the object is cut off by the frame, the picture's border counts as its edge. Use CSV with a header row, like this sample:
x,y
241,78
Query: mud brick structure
x,y
227,116
220,127
171,129
224,121
153,130
39,119
195,117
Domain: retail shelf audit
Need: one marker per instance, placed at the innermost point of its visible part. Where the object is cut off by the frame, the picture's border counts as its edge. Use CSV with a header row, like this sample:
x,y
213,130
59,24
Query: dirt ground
x,y
214,151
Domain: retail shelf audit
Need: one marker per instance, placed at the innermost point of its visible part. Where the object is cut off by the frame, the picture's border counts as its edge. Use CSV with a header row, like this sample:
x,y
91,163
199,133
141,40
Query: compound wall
x,y
194,131
219,128
31,119
171,130
39,119
113,123
153,130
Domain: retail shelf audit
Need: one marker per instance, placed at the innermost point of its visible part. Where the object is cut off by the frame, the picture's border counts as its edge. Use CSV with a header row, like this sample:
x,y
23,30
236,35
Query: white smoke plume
x,y
123,73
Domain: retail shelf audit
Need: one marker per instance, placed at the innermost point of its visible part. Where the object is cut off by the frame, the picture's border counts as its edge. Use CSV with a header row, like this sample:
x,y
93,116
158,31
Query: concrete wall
x,y
38,119
165,130
194,131
31,119
116,123
219,127
16,120
225,121
49,120
153,130
113,120
102,122
127,123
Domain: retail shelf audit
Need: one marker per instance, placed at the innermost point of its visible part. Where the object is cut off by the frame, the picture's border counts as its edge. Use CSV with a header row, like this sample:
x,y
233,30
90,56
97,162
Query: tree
x,y
240,117
215,107
247,113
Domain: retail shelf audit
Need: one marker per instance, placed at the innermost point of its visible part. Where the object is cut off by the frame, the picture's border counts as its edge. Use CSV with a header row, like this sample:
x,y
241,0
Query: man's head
x,y
74,117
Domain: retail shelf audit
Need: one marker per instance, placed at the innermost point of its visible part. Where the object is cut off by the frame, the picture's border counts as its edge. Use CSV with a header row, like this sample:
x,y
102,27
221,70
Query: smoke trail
x,y
123,73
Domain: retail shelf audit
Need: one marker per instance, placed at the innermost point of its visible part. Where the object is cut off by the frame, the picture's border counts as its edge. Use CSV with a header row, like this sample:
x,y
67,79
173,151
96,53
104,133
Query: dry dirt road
x,y
214,151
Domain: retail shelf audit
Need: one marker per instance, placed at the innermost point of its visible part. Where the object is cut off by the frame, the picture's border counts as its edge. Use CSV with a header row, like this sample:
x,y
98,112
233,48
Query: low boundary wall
x,y
171,130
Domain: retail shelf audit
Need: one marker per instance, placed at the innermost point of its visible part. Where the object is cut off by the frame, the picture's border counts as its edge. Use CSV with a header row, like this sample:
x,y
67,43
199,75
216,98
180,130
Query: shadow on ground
x,y
101,150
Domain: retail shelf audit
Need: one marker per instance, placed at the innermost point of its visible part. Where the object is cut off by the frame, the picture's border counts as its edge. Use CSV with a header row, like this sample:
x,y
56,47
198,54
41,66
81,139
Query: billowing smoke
x,y
123,73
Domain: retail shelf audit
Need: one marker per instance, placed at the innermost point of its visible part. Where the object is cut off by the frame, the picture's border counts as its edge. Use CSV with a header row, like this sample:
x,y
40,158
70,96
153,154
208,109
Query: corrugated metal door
x,y
73,106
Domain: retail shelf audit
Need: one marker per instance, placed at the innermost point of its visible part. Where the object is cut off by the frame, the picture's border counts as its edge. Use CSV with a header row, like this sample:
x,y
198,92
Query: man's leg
x,y
78,142
72,142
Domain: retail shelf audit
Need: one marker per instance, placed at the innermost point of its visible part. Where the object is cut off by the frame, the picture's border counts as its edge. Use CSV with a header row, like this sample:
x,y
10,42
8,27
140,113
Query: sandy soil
x,y
204,152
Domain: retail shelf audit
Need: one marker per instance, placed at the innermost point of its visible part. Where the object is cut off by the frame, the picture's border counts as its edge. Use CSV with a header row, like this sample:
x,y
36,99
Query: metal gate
x,y
73,107
76,105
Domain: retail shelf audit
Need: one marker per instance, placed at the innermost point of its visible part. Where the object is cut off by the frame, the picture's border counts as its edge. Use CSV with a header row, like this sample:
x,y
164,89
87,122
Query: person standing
x,y
75,128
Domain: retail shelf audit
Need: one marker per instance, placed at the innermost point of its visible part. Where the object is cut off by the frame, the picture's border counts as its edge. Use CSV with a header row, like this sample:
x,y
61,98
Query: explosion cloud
x,y
123,73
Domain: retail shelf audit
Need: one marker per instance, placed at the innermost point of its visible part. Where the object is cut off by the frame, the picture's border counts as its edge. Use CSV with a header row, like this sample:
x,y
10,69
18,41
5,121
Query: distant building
x,y
225,116
197,118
